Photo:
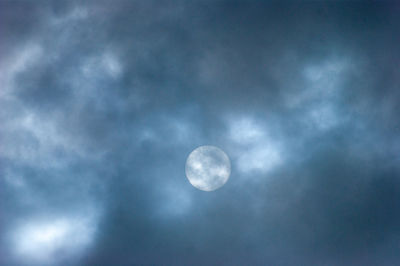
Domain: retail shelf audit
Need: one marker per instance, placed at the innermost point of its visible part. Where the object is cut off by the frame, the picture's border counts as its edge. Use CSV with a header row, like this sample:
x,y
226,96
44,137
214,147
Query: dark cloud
x,y
102,103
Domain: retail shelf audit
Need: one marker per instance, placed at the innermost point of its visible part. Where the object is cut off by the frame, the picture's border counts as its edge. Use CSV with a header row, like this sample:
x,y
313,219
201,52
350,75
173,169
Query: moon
x,y
208,168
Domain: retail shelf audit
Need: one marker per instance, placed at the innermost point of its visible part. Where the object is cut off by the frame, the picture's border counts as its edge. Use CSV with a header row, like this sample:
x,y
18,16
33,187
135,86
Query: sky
x,y
101,102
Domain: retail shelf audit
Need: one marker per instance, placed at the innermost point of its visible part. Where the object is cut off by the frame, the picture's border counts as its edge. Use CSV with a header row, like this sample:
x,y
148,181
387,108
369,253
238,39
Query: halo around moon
x,y
208,168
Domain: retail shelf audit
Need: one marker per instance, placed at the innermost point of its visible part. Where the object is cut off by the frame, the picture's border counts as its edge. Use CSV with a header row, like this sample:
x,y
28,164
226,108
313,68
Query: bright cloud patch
x,y
259,158
47,241
255,150
245,130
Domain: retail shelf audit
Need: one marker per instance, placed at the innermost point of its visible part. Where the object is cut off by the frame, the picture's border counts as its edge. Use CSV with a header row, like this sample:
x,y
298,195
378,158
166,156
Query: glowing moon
x,y
208,168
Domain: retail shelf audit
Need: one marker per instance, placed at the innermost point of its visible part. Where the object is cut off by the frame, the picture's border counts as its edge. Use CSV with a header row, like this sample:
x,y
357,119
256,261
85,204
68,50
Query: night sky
x,y
101,102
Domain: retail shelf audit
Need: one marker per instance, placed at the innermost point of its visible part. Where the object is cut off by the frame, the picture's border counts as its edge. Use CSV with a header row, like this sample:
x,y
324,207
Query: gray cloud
x,y
102,103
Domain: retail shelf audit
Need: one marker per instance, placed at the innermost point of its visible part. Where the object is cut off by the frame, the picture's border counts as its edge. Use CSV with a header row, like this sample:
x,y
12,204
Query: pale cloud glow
x,y
46,241
38,140
324,117
245,130
318,97
112,65
255,150
26,57
324,79
261,158
97,66
322,82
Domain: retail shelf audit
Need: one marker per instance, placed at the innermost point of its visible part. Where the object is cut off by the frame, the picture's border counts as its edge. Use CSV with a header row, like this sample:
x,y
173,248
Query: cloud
x,y
52,240
255,150
102,104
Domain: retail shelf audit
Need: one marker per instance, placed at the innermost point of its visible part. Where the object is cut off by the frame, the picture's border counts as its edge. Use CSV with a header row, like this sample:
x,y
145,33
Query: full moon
x,y
208,168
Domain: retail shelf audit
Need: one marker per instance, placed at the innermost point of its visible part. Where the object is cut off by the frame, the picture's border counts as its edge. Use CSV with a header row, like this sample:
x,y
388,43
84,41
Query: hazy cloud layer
x,y
101,103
